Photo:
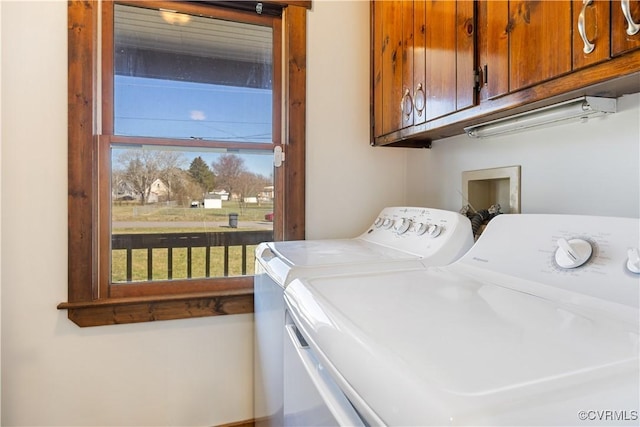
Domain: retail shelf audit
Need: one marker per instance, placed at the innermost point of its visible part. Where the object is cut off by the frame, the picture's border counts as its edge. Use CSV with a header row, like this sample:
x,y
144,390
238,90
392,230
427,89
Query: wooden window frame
x,y
89,301
108,137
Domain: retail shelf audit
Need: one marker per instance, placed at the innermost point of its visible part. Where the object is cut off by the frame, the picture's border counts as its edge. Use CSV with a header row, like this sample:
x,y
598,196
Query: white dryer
x,y
538,324
401,238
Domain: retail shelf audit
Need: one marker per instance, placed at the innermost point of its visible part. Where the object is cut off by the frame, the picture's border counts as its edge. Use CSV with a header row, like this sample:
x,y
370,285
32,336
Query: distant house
x,y
158,191
266,194
224,194
123,191
251,199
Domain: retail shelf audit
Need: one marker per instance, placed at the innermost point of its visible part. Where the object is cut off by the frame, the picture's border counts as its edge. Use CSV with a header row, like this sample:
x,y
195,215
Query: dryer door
x,y
311,397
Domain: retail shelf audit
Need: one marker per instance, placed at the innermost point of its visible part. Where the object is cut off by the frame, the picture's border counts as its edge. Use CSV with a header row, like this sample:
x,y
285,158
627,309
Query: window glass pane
x,y
184,76
179,213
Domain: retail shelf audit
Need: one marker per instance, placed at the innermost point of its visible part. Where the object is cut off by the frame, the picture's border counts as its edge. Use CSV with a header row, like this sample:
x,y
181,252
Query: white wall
x,y
588,168
348,182
187,372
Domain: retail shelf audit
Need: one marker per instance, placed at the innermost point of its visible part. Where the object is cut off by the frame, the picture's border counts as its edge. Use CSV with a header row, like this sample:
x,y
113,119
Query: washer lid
x,y
433,347
313,253
290,259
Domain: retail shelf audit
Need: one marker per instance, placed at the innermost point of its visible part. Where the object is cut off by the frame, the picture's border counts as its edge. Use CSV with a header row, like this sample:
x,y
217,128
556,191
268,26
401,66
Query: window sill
x,y
113,311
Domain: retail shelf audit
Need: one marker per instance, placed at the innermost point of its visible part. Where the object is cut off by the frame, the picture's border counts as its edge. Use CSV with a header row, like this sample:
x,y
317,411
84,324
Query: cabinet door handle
x,y
632,27
406,104
419,100
588,46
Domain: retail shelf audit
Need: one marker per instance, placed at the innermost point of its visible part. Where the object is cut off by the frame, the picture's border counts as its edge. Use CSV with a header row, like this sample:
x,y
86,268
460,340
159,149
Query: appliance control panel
x,y
582,256
422,231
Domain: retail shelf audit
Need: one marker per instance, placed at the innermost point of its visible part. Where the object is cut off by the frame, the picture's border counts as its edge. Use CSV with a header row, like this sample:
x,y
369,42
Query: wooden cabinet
x,y
387,66
394,48
449,62
439,66
591,32
523,43
493,48
531,42
408,81
539,41
625,26
423,55
419,62
604,29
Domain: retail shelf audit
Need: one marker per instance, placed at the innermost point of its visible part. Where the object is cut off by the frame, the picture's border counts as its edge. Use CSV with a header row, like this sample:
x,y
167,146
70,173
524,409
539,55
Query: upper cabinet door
x,y
419,61
540,41
591,32
440,52
406,104
522,43
493,48
387,64
465,54
449,52
376,69
625,26
423,58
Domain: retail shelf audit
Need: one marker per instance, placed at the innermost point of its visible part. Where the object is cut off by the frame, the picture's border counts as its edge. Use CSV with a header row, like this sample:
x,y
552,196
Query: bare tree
x,y
139,173
251,185
140,168
234,177
169,163
228,168
118,184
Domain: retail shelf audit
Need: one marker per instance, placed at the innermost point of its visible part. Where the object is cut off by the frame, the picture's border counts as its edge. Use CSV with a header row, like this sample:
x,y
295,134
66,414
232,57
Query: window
x,y
171,149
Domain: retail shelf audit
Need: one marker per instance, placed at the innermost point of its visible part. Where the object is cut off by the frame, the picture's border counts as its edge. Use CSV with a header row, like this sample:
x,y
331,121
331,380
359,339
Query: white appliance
x,y
537,324
401,238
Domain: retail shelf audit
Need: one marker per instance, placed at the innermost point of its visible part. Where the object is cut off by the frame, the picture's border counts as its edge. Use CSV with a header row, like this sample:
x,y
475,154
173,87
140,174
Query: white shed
x,y
212,201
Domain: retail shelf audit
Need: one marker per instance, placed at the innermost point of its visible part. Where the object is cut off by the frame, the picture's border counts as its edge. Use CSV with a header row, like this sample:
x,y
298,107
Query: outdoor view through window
x,y
192,188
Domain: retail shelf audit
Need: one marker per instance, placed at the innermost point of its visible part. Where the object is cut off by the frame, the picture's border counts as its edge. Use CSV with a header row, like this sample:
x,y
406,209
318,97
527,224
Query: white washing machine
x,y
537,324
401,238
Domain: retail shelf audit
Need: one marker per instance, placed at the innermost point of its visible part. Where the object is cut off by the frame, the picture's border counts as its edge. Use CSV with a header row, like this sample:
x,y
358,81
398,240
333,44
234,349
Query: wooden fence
x,y
171,241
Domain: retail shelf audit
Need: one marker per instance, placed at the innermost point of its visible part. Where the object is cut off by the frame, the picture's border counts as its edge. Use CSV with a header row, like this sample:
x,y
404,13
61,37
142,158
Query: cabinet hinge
x,y
480,77
477,79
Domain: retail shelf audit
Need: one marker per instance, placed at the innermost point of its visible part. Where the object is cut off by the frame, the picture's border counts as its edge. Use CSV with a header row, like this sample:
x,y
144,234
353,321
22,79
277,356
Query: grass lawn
x,y
160,271
144,214
133,211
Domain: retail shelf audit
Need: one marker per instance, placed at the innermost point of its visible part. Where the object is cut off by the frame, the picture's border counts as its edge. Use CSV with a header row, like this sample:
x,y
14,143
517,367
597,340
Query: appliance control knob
x,y
573,253
378,222
421,228
387,223
403,226
633,260
433,230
